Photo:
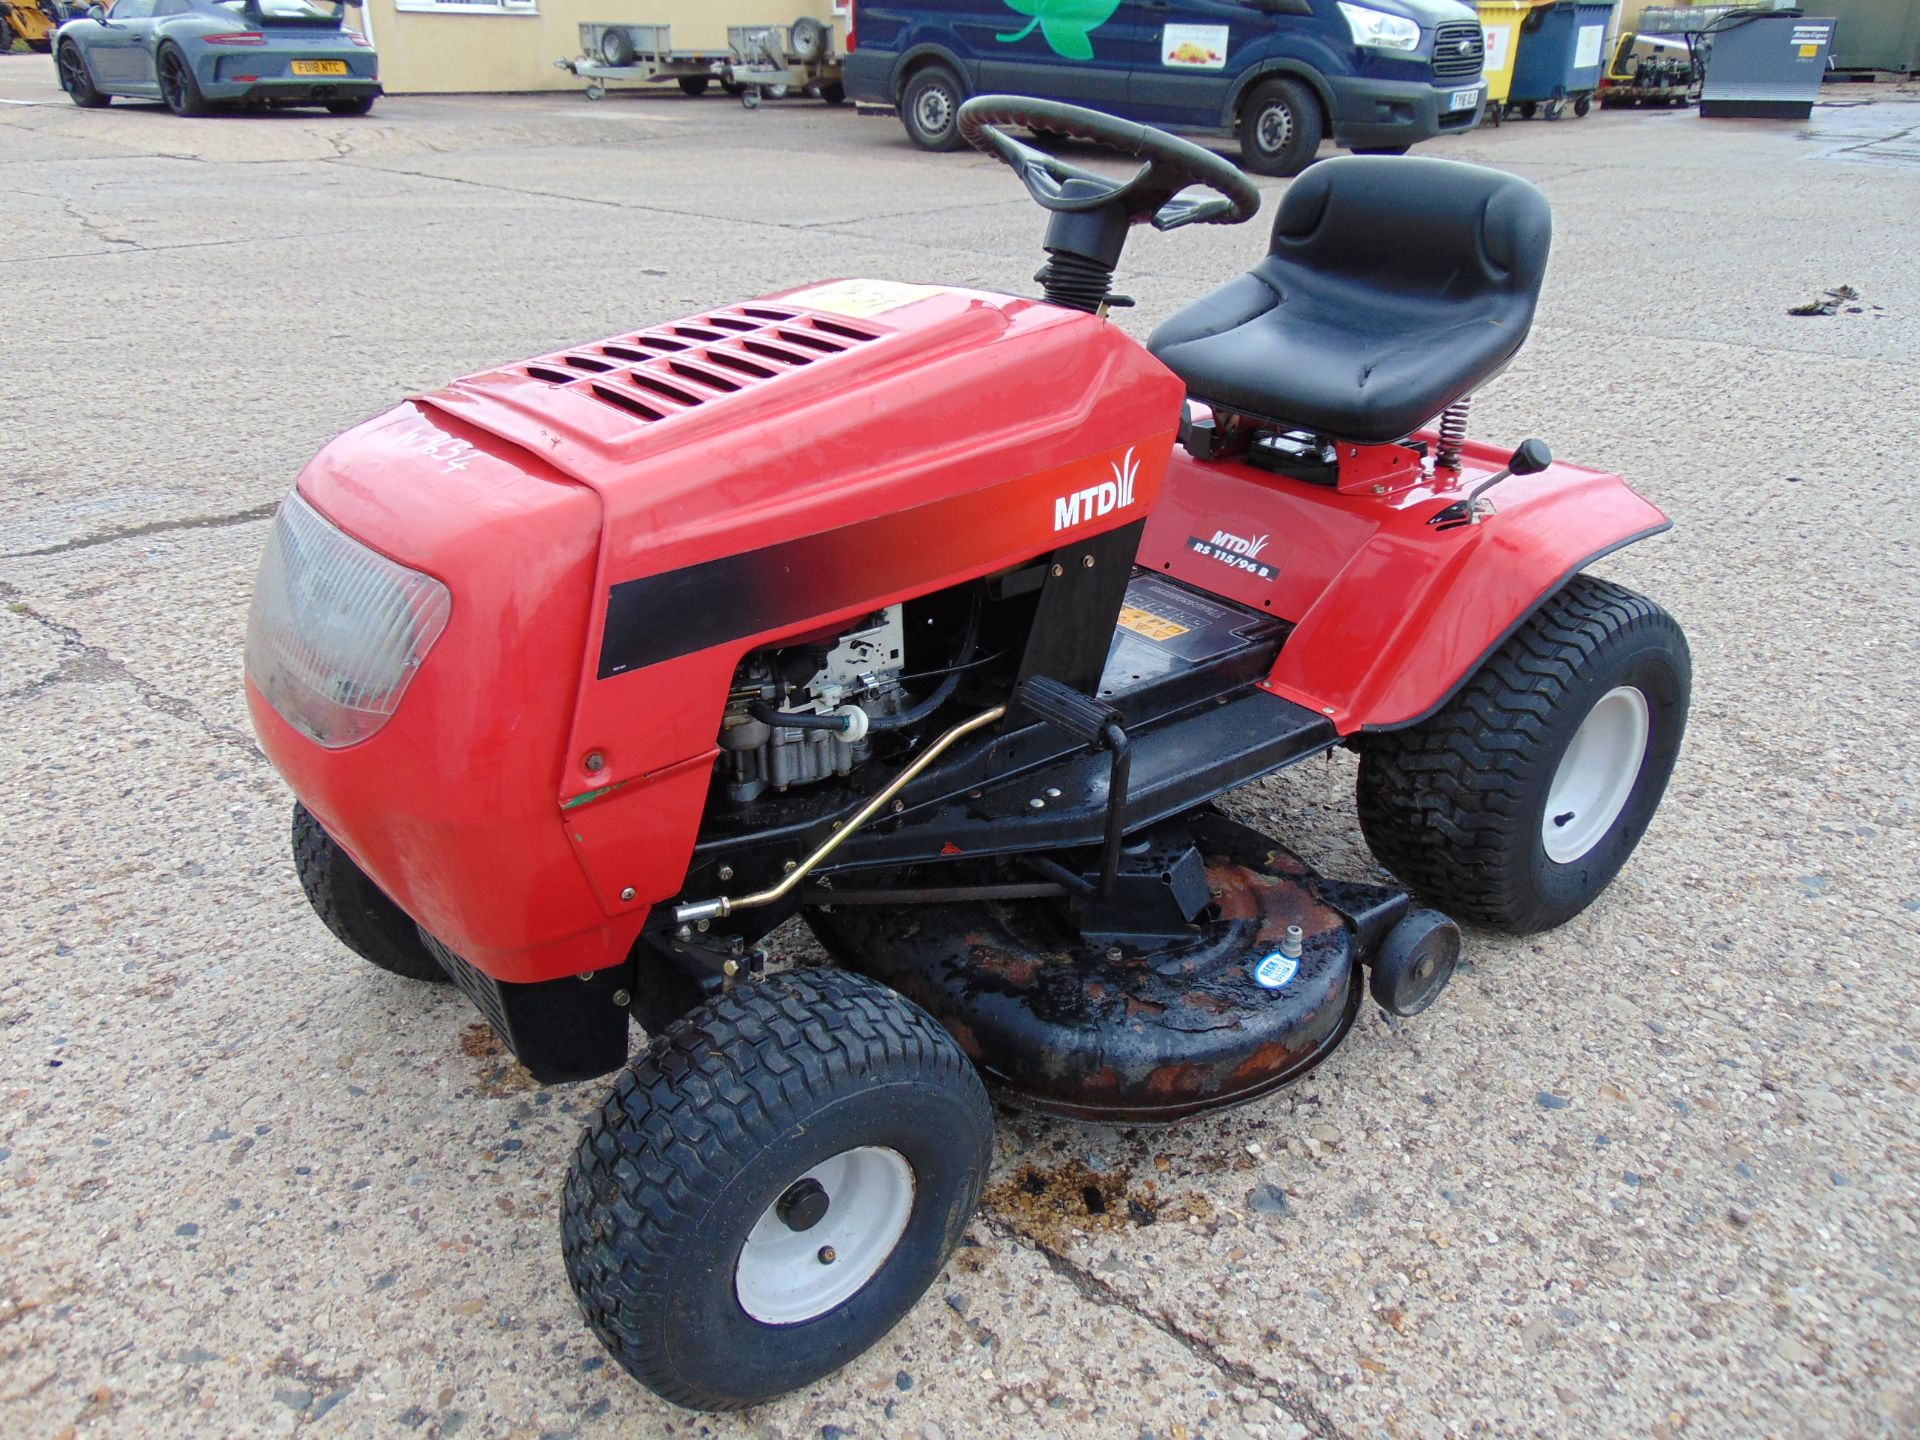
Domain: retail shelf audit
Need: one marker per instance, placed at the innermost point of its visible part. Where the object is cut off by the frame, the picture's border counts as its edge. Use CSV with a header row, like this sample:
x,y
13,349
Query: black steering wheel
x,y
1172,164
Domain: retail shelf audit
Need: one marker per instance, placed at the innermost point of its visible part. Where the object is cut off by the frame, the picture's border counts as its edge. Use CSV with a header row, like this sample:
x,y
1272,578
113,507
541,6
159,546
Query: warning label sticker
x,y
857,299
1148,625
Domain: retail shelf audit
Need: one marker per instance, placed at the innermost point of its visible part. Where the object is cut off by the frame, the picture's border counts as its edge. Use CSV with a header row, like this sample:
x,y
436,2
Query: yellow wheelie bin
x,y
1501,20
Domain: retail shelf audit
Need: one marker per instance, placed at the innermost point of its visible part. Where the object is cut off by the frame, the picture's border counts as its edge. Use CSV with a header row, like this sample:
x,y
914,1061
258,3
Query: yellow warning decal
x,y
857,299
1147,624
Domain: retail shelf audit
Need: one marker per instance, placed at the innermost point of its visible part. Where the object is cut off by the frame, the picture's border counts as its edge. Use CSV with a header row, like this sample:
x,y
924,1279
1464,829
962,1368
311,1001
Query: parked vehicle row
x,y
1280,75
195,54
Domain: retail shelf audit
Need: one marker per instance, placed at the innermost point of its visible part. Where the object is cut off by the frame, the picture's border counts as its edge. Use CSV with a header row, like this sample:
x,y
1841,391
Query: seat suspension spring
x,y
1453,433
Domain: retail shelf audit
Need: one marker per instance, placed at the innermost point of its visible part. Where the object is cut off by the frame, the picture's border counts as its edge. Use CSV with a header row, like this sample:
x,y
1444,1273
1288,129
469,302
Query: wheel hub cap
x,y
1596,775
855,1208
936,111
1275,129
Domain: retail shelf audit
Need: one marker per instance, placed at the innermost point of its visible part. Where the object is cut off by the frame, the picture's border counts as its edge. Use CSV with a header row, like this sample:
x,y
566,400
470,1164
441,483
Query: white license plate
x,y
1464,99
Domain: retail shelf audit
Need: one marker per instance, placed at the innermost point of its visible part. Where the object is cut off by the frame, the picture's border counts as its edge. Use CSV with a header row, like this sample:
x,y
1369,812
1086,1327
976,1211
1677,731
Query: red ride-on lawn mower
x,y
941,619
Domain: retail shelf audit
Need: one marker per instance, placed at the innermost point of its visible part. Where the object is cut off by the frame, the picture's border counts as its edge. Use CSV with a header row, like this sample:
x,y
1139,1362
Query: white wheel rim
x,y
784,1276
1596,775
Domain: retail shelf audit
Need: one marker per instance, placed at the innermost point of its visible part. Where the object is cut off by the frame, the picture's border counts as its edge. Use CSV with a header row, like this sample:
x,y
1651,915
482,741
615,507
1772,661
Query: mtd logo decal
x,y
1097,500
1239,551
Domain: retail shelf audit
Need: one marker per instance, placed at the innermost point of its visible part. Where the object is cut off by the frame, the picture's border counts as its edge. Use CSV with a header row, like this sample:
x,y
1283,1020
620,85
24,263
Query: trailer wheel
x,y
1280,128
772,1186
808,37
355,909
596,92
930,108
1517,802
616,46
693,85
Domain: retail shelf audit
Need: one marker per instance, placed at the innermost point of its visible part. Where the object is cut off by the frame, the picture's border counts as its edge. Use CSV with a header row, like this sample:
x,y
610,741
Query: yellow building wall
x,y
425,53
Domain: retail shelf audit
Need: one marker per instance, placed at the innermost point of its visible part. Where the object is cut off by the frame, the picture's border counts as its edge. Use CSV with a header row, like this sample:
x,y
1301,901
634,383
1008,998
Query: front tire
x,y
77,80
177,85
780,1132
1280,128
1518,801
355,909
930,109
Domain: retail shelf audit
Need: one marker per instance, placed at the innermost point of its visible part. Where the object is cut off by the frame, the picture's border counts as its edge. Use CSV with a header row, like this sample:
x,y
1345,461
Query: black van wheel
x,y
1280,128
771,1187
930,109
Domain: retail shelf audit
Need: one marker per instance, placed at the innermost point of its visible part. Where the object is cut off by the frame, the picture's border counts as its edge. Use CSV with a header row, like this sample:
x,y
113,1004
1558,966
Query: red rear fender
x,y
1391,612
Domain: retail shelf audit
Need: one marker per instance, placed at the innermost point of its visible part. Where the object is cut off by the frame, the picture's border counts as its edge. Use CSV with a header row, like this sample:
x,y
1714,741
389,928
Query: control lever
x,y
1529,458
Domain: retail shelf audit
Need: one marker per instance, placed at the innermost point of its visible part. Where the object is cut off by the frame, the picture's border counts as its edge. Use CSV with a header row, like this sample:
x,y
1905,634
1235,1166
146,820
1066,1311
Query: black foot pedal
x,y
1081,716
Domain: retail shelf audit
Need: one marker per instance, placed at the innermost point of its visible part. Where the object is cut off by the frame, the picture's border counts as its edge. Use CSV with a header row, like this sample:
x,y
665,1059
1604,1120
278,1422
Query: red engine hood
x,y
828,399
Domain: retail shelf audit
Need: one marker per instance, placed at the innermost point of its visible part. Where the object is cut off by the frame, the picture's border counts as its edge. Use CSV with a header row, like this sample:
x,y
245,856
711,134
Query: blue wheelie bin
x,y
1559,58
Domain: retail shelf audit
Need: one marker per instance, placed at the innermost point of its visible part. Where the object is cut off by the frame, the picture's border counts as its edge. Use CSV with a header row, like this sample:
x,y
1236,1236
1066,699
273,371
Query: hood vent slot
x,y
626,402
657,374
661,387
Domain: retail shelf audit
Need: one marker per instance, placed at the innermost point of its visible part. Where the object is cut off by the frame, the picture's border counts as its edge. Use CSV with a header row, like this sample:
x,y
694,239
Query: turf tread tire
x,y
355,909
689,1115
1449,804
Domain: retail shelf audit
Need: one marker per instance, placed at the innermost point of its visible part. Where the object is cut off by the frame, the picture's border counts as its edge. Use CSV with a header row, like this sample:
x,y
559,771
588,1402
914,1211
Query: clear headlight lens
x,y
337,630
1377,30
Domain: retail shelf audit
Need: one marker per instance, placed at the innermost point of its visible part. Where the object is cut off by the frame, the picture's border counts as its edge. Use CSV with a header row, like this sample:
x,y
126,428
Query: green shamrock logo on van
x,y
1068,25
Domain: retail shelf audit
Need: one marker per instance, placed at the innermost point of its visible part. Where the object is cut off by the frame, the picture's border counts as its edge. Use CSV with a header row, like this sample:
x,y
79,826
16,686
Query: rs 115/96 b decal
x,y
1242,552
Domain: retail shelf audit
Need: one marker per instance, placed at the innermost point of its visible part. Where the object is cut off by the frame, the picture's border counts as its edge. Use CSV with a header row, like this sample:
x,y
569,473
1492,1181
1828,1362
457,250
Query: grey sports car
x,y
195,54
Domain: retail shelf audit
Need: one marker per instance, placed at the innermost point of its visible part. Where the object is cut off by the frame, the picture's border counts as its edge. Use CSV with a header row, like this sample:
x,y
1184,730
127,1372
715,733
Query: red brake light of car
x,y
360,40
853,17
235,37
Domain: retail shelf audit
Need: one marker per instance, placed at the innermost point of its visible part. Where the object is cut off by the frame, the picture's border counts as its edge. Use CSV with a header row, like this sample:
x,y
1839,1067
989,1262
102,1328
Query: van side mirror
x,y
1283,7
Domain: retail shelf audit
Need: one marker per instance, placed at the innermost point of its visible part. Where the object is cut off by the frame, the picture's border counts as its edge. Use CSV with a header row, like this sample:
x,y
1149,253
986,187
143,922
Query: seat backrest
x,y
1424,228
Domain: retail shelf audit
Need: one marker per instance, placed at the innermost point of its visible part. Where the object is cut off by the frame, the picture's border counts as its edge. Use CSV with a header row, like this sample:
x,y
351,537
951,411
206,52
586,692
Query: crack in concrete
x,y
157,527
1287,1396
95,228
86,664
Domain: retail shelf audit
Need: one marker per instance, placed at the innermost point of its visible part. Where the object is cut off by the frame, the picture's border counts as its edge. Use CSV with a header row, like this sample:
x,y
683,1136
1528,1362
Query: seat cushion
x,y
1392,288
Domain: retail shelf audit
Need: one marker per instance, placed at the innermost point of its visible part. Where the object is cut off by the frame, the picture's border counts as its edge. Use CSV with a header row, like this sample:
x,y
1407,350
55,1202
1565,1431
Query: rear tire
x,y
1381,149
1488,808
834,93
687,1229
177,85
77,80
361,106
355,909
1280,128
694,85
930,109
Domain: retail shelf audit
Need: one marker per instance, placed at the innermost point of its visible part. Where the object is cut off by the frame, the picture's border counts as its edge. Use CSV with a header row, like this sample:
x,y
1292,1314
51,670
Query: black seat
x,y
1392,287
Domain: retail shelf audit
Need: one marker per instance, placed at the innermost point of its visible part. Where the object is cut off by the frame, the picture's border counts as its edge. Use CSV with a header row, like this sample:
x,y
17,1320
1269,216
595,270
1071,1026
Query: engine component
x,y
855,680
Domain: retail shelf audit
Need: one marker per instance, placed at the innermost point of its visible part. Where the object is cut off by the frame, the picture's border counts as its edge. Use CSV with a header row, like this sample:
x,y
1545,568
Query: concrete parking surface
x,y
1650,1174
